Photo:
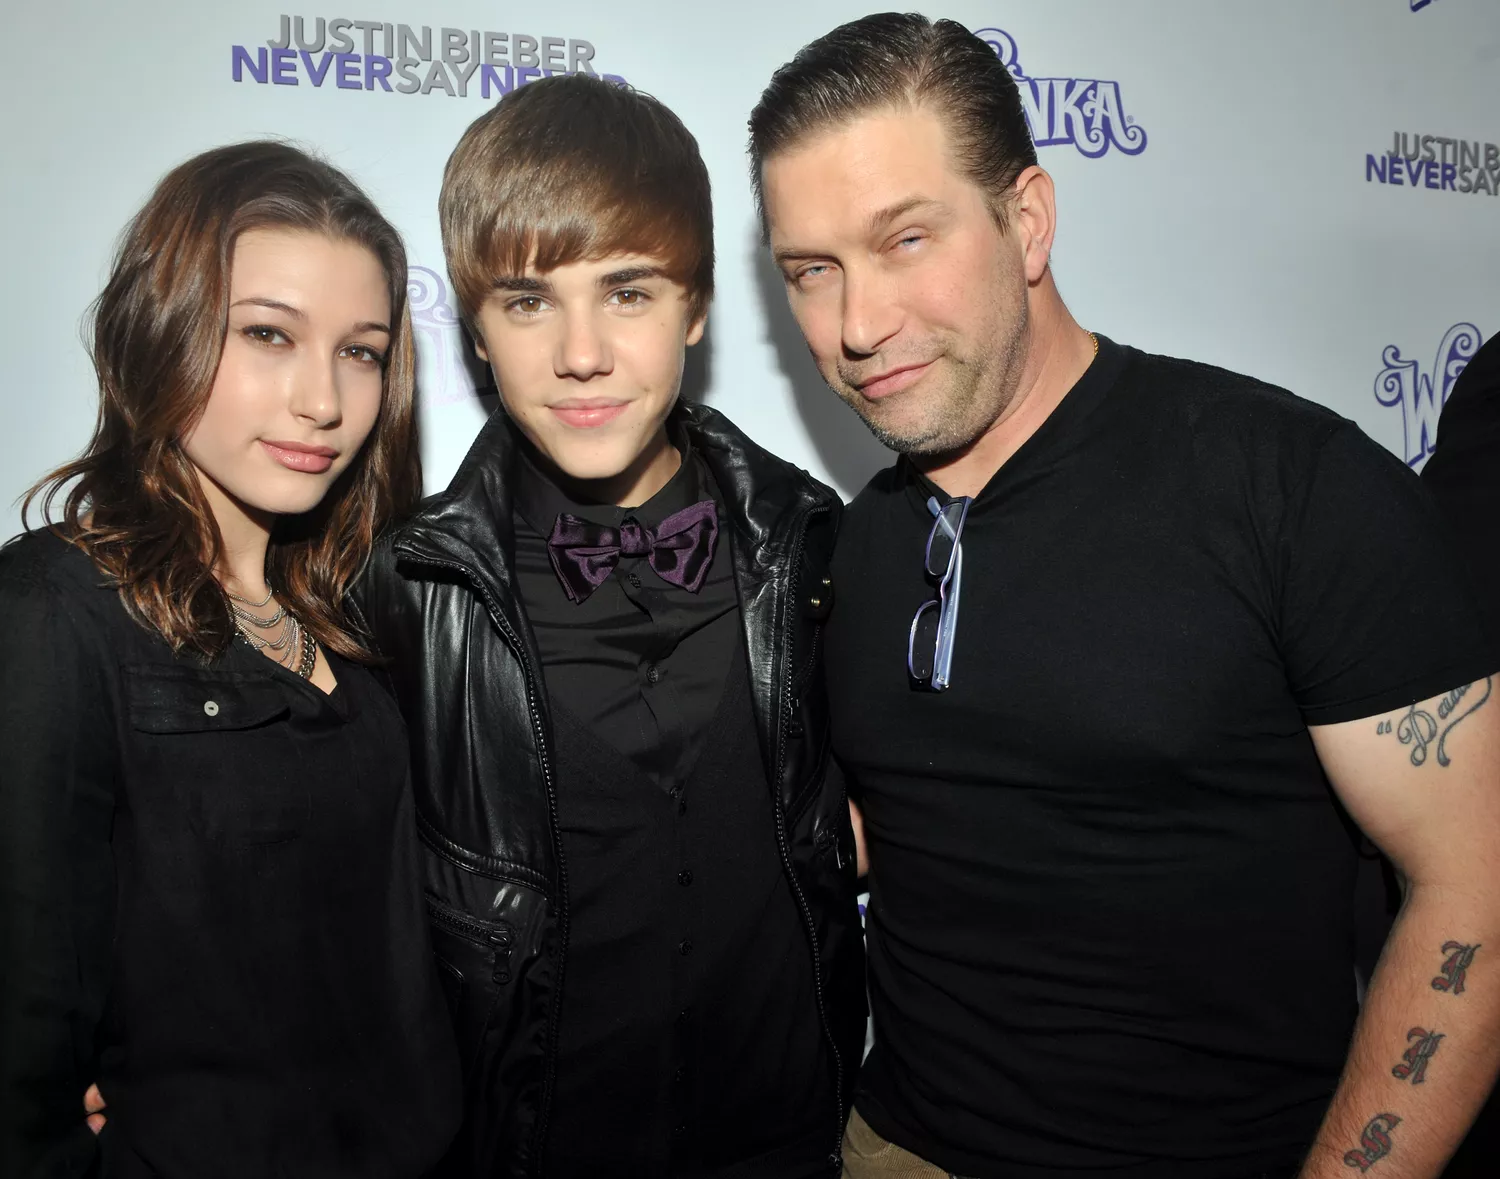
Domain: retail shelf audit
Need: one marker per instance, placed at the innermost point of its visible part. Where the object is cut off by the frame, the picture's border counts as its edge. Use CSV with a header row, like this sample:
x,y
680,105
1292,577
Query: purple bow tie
x,y
679,548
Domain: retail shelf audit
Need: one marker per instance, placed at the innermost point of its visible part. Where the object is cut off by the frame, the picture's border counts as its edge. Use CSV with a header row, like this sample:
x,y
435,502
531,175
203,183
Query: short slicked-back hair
x,y
571,169
895,60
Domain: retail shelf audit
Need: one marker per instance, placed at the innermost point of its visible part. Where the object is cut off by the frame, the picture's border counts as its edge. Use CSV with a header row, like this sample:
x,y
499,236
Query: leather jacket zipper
x,y
835,1159
496,936
492,608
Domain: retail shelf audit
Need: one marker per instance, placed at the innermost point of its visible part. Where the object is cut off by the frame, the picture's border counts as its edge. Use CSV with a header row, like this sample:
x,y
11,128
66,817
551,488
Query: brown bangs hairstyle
x,y
572,169
136,505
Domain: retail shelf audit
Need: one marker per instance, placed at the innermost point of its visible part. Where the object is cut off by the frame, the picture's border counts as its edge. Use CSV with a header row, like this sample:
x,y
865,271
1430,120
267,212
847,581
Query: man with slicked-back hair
x,y
1126,651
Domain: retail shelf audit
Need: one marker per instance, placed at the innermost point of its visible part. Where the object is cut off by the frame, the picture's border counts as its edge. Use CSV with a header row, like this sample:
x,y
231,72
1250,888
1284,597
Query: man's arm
x,y
1424,784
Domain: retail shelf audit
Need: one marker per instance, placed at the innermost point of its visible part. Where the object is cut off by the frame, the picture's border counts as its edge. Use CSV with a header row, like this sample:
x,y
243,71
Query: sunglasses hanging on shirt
x,y
934,629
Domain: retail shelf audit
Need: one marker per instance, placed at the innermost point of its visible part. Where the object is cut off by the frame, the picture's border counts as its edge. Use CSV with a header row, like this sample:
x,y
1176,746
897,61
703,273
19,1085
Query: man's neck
x,y
1057,355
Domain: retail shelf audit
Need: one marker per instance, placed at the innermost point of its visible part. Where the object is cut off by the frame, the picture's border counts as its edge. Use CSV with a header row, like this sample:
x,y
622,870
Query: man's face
x,y
912,299
588,360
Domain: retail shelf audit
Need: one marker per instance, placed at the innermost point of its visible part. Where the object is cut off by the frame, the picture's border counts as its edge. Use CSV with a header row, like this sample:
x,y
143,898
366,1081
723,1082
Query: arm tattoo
x,y
1374,1144
1420,729
1455,967
1414,1062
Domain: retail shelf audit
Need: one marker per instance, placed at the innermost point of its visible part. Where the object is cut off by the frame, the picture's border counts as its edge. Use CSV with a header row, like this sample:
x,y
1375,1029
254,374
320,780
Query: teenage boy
x,y
605,638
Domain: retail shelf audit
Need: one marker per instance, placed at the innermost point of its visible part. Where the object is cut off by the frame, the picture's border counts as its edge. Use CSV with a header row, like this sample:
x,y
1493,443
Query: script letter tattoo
x,y
1414,1062
1455,967
1423,729
1374,1143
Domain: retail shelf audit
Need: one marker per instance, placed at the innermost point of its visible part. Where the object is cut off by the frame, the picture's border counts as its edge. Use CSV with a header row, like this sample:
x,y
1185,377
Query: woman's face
x,y
299,385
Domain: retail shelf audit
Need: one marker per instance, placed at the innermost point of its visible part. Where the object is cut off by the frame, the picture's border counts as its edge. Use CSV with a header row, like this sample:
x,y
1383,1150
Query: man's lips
x,y
583,413
300,456
892,381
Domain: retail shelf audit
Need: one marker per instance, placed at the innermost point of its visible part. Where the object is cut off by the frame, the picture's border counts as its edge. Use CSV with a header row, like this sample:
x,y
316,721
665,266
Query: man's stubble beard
x,y
978,393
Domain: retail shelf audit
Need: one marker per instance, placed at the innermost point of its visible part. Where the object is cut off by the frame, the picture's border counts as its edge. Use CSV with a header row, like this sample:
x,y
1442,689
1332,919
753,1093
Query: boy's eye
x,y
630,297
527,304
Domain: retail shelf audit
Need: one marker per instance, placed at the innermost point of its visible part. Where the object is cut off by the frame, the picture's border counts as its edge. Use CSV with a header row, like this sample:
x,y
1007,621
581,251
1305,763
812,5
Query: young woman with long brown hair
x,y
209,891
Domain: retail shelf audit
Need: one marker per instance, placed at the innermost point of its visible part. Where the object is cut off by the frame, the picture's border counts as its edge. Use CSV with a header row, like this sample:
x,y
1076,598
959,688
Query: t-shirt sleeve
x,y
1376,611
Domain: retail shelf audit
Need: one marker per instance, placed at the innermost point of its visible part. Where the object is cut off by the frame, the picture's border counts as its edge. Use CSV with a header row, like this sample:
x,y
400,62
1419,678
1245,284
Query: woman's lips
x,y
584,414
310,460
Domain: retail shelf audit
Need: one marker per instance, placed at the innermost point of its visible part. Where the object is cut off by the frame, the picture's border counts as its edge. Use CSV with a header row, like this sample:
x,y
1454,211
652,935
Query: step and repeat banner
x,y
1305,190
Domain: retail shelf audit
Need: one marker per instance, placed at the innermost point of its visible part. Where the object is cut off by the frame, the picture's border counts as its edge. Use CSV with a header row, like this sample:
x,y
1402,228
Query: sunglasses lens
x,y
924,633
944,530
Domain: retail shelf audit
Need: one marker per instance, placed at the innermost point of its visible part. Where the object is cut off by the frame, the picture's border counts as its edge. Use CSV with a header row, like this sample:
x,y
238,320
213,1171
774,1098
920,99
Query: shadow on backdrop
x,y
848,450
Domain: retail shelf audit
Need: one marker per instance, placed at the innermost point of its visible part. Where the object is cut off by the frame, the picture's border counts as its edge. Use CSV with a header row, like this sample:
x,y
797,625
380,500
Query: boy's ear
x,y
479,349
695,330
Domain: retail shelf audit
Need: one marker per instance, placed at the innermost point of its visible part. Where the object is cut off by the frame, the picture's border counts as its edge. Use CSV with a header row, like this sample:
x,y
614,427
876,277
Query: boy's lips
x,y
583,413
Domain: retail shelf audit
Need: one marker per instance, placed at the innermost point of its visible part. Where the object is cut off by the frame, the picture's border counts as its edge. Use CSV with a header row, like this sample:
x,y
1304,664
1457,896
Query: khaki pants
x,y
869,1156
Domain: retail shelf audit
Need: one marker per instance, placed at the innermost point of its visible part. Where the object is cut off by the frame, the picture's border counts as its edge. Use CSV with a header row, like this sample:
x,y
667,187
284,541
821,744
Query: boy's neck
x,y
652,470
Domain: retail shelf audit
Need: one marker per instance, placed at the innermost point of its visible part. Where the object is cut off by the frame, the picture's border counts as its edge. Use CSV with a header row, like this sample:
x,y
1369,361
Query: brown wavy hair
x,y
158,329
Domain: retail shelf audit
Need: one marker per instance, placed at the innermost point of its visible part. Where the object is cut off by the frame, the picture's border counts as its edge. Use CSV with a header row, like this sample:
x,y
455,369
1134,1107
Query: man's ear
x,y
695,330
1033,209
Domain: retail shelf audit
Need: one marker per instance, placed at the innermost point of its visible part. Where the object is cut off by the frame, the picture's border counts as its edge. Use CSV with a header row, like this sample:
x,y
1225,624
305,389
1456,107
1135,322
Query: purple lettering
x,y
1431,179
527,74
241,61
502,79
316,72
1450,175
284,67
1375,168
377,69
348,71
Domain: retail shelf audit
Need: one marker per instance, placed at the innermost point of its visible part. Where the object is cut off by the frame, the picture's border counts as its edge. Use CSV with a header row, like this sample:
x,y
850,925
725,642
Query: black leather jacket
x,y
440,602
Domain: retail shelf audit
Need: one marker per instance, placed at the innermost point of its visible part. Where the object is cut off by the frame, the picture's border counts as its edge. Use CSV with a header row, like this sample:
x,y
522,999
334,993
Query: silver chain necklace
x,y
286,644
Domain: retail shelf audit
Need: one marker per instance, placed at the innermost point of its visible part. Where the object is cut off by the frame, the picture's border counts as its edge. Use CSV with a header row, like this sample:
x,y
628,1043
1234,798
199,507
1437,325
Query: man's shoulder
x,y
1215,396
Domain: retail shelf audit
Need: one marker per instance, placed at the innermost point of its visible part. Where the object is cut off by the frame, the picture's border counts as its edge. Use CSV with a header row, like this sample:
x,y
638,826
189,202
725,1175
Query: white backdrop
x,y
1224,187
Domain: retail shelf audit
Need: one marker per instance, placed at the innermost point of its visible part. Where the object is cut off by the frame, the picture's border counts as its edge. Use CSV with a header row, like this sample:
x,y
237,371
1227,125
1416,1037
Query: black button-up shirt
x,y
640,661
689,1043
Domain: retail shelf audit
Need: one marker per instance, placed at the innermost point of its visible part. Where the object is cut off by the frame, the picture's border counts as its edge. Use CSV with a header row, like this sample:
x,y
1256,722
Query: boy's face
x,y
588,360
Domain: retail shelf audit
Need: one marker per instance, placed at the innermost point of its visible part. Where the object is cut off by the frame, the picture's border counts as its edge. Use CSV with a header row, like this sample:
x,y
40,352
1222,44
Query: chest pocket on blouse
x,y
210,754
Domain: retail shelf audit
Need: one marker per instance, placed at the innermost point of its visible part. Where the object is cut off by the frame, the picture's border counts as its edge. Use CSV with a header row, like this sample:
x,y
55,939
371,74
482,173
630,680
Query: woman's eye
x,y
365,354
264,334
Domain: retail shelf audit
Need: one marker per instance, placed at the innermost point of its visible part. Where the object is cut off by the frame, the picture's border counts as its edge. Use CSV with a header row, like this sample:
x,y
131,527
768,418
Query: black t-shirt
x,y
1110,923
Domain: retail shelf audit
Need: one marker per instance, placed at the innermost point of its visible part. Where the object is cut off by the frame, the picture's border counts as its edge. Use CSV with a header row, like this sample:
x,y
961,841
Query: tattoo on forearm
x,y
1422,729
1374,1144
1414,1062
1455,968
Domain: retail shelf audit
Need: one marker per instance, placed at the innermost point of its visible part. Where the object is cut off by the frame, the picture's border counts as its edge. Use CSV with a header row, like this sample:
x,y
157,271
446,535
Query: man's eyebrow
x,y
273,304
881,218
515,282
629,274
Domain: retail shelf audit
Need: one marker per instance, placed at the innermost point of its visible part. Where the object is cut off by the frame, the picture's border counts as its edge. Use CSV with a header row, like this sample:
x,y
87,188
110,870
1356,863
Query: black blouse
x,y
210,902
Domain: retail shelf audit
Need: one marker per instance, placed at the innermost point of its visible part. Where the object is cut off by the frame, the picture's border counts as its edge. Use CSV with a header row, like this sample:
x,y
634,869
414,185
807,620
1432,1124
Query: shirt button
x,y
681,807
635,580
682,1016
653,674
684,878
685,946
680,1075
679,1130
211,708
